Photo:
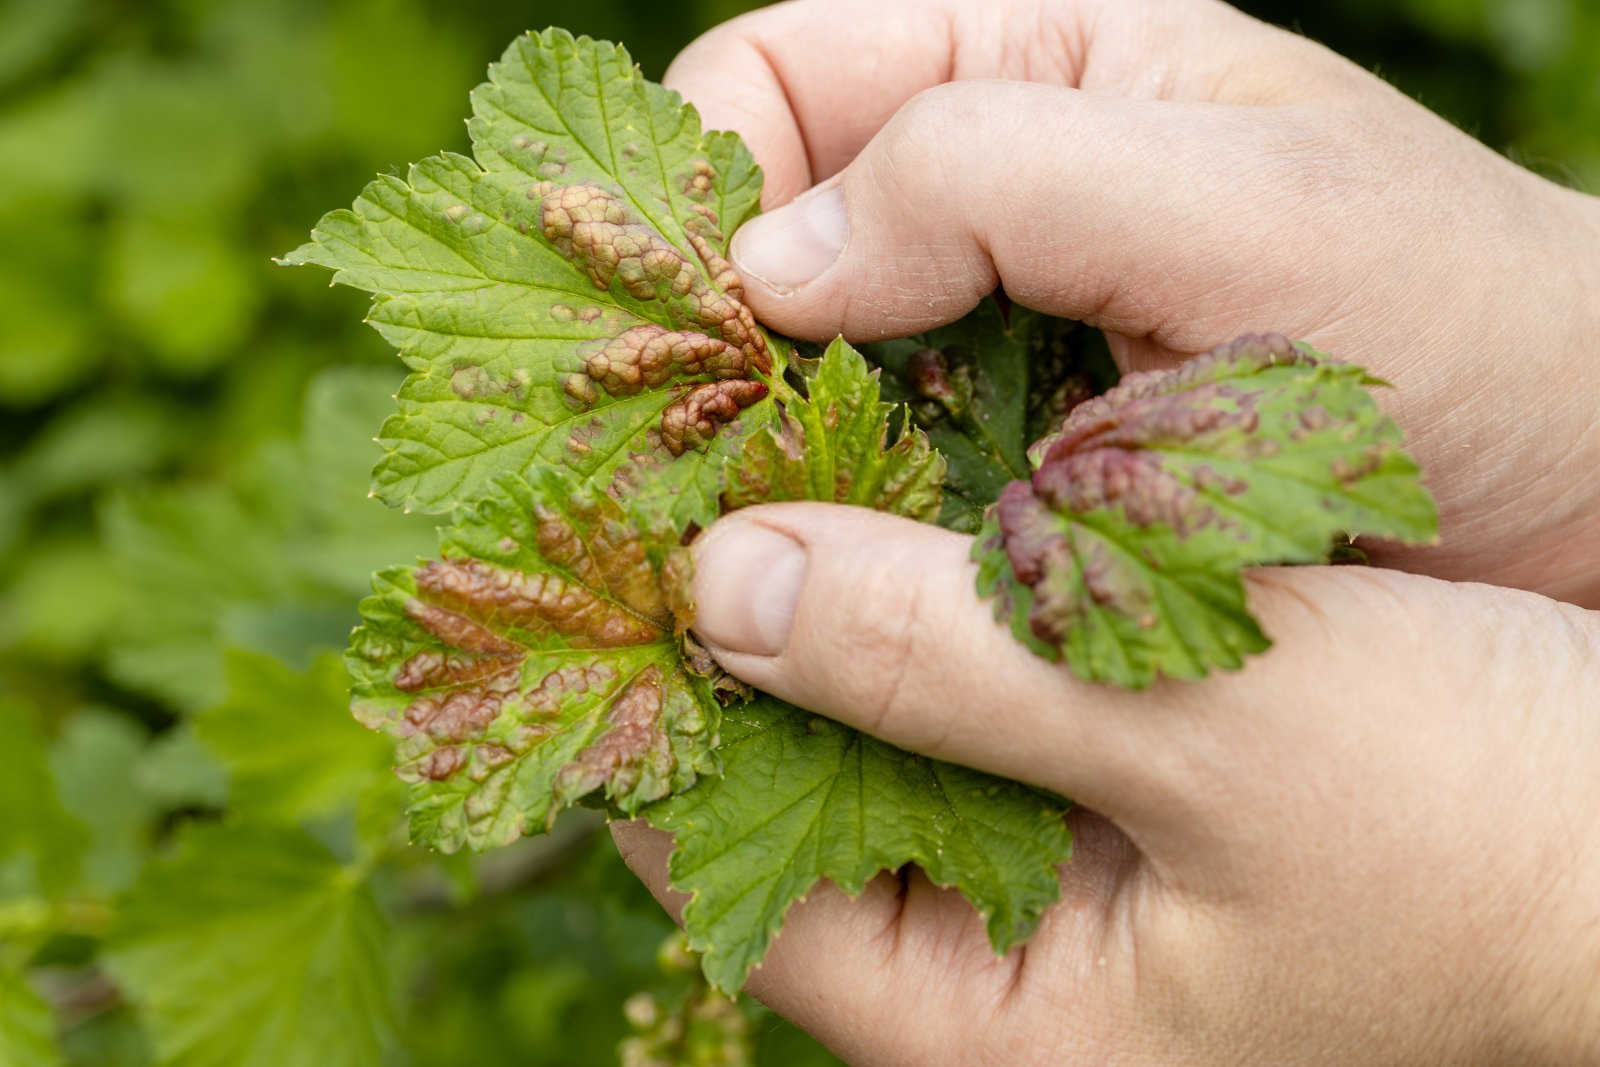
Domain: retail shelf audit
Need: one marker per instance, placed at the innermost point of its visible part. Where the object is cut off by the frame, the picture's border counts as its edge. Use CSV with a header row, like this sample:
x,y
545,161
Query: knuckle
x,y
884,640
919,135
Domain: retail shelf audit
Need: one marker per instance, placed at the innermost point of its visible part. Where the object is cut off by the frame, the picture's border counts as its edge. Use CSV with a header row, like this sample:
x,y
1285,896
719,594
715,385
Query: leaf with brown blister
x,y
563,297
1123,551
534,665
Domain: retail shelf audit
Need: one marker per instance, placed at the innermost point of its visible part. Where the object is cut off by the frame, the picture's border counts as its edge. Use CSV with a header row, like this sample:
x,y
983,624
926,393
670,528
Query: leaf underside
x,y
533,664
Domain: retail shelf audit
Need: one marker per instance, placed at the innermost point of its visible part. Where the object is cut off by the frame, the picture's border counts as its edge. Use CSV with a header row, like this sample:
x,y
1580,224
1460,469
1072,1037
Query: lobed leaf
x,y
255,947
1122,552
562,297
535,663
802,799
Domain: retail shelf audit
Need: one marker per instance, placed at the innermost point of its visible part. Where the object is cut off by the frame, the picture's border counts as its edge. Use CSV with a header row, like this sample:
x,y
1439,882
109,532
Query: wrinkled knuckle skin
x,y
919,135
879,649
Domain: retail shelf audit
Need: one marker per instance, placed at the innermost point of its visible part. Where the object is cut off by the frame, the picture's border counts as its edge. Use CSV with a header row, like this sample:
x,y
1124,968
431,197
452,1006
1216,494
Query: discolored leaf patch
x,y
535,664
1122,552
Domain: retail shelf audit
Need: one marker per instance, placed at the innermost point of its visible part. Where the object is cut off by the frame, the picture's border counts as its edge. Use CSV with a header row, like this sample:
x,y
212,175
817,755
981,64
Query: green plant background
x,y
200,861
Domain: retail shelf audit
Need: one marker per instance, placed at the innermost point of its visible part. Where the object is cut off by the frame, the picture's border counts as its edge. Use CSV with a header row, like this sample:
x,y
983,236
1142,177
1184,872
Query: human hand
x,y
1178,174
1372,845
1277,868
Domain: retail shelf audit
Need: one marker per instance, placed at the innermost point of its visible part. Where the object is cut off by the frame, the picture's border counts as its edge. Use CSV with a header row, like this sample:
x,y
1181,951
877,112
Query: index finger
x,y
808,83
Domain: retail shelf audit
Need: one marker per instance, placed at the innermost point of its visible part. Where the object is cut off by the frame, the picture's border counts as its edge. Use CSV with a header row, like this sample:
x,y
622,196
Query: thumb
x,y
1127,214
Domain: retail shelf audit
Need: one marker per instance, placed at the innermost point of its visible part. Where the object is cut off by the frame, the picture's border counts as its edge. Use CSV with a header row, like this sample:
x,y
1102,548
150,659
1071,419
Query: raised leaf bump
x,y
562,297
535,664
1122,551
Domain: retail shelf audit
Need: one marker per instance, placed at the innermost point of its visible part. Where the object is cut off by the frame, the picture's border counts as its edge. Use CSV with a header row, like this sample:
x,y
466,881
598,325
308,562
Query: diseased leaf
x,y
27,1025
986,385
254,947
535,663
562,297
835,446
1123,551
803,798
287,742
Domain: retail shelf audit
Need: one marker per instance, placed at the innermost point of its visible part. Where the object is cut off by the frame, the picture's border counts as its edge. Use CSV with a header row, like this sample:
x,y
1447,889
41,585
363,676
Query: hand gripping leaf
x,y
562,296
1123,551
533,664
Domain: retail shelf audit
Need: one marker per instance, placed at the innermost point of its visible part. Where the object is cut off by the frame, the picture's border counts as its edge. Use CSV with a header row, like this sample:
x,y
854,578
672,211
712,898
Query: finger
x,y
1147,219
899,973
774,77
873,620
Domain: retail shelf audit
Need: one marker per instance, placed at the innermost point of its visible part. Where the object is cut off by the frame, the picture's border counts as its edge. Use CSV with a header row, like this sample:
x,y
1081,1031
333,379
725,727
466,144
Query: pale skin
x,y
1374,844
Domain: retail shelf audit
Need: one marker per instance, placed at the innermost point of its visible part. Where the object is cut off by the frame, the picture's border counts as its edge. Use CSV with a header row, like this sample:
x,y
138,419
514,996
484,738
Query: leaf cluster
x,y
587,389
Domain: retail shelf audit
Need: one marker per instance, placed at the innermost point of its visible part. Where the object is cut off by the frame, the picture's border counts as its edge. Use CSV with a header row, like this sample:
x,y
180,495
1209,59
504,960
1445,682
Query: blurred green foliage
x,y
200,860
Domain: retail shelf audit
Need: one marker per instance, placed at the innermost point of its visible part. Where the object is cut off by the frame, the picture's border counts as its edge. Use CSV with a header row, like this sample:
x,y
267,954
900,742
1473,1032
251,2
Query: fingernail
x,y
786,248
747,580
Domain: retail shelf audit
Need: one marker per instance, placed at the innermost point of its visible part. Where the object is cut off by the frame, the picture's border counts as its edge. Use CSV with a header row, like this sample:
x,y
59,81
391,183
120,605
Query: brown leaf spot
x,y
455,716
692,419
618,758
596,230
458,631
441,763
434,670
651,355
468,595
697,185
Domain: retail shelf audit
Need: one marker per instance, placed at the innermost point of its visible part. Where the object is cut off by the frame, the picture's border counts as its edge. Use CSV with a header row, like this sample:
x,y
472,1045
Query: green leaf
x,y
95,760
561,297
986,385
254,947
27,1025
1122,553
803,798
41,843
270,561
835,446
177,771
534,664
286,739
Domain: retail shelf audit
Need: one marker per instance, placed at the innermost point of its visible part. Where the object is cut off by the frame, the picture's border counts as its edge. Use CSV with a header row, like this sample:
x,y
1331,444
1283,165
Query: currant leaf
x,y
562,297
532,665
835,445
802,799
253,946
1122,552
